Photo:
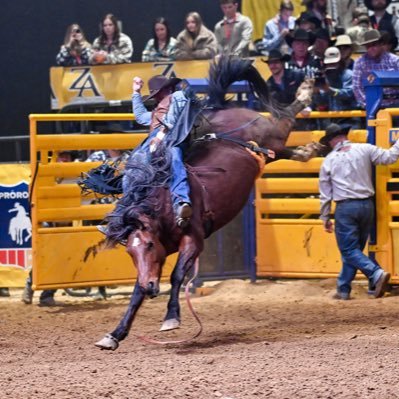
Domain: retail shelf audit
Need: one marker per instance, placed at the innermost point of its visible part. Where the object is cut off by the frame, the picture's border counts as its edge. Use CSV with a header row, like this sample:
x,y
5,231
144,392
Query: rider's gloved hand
x,y
156,141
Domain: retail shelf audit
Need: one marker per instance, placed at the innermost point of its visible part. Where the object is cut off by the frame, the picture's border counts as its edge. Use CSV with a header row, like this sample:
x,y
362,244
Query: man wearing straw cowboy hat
x,y
346,178
375,59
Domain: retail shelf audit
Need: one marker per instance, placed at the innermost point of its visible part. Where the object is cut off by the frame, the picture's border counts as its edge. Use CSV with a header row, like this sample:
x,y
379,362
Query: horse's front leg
x,y
189,250
111,341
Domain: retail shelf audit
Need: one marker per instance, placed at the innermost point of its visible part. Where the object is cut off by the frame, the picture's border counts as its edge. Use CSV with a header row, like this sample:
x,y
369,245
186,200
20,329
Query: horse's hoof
x,y
108,342
170,324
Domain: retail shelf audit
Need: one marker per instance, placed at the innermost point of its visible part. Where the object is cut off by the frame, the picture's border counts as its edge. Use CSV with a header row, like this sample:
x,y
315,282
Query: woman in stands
x,y
195,42
112,46
76,49
162,46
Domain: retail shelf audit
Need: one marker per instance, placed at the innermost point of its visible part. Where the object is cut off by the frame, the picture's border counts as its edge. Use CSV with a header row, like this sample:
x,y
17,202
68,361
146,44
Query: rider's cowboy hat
x,y
369,5
334,130
371,36
159,82
275,55
301,35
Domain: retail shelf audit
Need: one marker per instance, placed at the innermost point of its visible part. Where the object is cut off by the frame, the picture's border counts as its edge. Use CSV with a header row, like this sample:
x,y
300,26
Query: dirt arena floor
x,y
272,339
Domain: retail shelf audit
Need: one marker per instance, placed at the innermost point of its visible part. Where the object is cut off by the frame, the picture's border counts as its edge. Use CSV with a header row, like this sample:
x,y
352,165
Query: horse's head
x,y
149,256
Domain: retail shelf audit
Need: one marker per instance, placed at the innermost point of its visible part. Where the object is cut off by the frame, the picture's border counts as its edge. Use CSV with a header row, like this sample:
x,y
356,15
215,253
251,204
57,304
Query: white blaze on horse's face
x,y
148,256
136,242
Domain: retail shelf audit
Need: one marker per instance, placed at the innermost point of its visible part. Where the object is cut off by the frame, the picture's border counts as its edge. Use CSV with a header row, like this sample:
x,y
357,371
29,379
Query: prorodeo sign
x,y
15,226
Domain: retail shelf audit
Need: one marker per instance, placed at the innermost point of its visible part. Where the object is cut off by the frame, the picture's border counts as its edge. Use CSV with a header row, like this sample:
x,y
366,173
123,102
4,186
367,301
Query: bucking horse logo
x,y
19,224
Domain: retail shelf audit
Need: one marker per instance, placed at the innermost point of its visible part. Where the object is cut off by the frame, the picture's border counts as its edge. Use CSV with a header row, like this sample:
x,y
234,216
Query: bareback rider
x,y
161,120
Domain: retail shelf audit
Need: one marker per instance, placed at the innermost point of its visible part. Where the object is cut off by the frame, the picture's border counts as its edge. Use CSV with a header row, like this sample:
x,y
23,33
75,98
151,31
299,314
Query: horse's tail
x,y
227,70
144,175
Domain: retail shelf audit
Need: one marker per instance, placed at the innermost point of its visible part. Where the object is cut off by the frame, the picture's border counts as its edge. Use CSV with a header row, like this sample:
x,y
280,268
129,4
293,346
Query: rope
x,y
187,295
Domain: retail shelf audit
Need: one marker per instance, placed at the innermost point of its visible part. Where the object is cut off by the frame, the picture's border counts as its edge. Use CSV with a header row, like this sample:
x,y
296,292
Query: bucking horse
x,y
222,171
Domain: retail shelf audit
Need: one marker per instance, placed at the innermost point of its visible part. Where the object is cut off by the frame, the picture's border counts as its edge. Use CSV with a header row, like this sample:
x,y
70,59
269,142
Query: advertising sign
x,y
15,225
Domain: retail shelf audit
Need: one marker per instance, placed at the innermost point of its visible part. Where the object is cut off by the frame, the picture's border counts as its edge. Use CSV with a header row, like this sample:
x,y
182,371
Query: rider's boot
x,y
183,214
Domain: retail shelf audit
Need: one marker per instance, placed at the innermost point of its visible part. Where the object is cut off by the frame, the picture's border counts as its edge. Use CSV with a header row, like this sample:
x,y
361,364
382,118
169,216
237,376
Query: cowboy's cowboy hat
x,y
159,82
300,34
275,55
334,130
371,36
308,17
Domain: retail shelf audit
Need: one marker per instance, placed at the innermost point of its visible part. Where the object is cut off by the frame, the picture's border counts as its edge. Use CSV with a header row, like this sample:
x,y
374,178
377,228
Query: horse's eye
x,y
150,245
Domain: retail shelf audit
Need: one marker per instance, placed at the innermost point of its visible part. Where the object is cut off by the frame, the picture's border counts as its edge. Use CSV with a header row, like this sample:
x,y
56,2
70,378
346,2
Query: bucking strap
x,y
252,147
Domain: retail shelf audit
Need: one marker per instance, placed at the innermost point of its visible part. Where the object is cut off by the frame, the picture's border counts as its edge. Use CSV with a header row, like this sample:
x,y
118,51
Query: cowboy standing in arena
x,y
346,178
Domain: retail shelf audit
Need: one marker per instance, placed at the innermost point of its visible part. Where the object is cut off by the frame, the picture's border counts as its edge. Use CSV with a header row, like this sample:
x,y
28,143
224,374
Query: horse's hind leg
x,y
188,252
111,341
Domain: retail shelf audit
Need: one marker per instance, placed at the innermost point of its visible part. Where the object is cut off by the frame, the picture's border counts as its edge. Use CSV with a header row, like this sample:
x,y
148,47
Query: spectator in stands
x,y
375,59
234,32
333,89
277,28
346,178
112,46
387,43
345,46
321,43
301,59
382,20
308,22
318,8
361,24
196,41
162,46
76,49
283,83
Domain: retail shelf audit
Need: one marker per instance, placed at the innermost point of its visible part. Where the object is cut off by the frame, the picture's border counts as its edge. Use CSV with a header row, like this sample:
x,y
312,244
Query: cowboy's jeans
x,y
179,186
353,223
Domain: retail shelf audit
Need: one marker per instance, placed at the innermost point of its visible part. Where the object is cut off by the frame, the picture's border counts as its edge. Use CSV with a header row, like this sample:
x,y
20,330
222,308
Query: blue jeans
x,y
353,223
179,186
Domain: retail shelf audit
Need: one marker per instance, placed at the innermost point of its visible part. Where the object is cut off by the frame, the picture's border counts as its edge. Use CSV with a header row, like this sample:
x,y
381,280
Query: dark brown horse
x,y
221,175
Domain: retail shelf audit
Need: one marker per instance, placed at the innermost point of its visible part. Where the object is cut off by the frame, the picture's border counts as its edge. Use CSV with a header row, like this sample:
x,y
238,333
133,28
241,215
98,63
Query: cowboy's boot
x,y
27,294
4,292
184,213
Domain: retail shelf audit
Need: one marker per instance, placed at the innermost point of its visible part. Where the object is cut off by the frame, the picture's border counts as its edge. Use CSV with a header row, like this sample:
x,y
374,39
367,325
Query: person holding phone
x,y
333,89
277,28
76,49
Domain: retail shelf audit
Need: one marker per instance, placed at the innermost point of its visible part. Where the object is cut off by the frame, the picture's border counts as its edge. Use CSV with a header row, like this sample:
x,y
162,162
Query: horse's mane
x,y
227,70
144,176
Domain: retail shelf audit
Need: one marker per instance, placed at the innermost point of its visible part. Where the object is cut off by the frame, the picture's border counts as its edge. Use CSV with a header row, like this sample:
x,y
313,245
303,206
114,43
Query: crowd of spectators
x,y
317,47
310,44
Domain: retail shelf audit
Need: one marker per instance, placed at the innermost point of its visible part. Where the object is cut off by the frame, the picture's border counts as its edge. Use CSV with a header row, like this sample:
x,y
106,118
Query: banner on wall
x,y
89,84
15,225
